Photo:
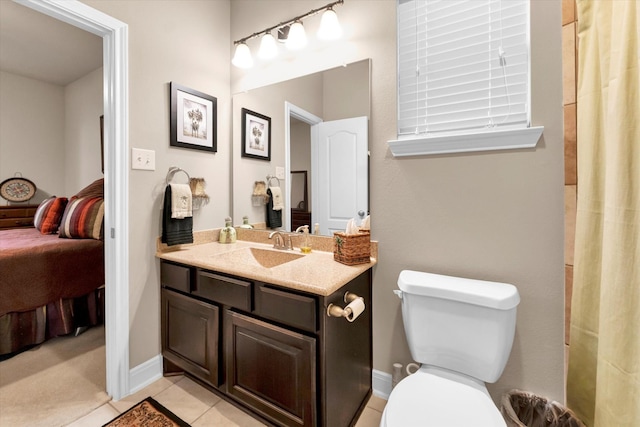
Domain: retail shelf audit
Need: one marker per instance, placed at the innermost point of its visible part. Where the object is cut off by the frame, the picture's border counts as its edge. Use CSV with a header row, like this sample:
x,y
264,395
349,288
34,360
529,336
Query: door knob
x,y
361,213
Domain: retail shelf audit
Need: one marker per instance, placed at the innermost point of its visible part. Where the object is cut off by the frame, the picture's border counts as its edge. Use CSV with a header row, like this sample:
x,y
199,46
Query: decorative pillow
x,y
95,189
83,219
48,215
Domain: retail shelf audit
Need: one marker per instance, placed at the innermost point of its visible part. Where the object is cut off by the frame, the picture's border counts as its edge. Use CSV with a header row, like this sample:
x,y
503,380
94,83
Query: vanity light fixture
x,y
242,57
268,47
330,28
291,32
297,38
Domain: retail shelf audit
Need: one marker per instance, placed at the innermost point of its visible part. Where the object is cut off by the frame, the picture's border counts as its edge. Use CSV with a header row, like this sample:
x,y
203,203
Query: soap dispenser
x,y
245,223
305,246
223,235
230,231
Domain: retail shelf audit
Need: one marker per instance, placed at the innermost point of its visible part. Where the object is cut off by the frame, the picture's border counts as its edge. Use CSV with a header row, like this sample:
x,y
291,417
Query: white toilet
x,y
461,331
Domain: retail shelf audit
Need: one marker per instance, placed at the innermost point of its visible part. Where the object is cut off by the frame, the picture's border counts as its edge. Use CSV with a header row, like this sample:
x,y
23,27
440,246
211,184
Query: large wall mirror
x,y
302,111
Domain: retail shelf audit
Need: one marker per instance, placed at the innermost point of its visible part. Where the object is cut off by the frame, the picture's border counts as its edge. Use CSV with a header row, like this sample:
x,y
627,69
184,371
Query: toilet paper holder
x,y
348,312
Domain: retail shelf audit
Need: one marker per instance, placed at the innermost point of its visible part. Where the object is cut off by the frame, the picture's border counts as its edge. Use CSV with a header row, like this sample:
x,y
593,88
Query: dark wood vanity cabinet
x,y
270,349
190,338
271,368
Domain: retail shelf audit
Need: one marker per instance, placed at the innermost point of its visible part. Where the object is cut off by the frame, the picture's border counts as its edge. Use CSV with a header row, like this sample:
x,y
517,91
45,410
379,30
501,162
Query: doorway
x,y
115,65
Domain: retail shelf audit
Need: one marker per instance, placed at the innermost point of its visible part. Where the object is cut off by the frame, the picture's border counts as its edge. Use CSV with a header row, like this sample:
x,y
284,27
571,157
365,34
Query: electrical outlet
x,y
279,172
143,159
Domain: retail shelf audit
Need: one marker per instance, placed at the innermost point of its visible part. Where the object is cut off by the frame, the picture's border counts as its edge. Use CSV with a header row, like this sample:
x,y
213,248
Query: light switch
x,y
279,172
143,159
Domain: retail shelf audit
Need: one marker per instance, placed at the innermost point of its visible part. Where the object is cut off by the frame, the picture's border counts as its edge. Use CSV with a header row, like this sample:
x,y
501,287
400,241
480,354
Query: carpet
x,y
147,413
54,383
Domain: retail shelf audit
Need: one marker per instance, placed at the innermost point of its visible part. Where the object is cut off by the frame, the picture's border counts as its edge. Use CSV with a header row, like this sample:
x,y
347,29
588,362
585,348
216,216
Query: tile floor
x,y
199,407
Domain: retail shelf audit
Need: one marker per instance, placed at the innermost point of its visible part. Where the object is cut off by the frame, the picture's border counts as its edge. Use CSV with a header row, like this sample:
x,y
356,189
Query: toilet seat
x,y
440,398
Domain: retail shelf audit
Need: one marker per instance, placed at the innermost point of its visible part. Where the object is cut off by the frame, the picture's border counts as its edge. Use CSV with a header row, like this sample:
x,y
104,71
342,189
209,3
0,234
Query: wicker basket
x,y
352,249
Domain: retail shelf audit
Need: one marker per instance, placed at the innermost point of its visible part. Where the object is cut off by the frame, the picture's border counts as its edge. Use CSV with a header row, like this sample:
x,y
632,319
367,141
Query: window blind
x,y
462,66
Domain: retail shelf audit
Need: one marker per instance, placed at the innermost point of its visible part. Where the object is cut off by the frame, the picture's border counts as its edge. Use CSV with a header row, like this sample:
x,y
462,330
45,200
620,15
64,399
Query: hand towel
x,y
175,231
274,218
276,196
181,201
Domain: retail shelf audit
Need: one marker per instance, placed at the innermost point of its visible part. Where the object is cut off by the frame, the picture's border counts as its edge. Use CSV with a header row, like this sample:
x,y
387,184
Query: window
x,y
463,75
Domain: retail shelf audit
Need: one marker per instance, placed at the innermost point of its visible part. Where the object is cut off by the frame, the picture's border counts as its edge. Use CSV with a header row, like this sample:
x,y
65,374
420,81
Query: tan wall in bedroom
x,y
60,151
494,216
32,133
83,108
186,42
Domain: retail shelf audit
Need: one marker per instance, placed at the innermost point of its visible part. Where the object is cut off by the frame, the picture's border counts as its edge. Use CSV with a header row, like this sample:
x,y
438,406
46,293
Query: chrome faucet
x,y
281,241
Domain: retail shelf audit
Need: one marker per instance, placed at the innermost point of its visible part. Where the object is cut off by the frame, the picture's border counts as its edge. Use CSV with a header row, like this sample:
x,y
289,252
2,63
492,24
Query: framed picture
x,y
193,119
256,135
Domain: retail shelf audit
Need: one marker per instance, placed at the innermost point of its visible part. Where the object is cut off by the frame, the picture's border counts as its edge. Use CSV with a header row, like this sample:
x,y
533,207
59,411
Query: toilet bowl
x,y
461,331
434,397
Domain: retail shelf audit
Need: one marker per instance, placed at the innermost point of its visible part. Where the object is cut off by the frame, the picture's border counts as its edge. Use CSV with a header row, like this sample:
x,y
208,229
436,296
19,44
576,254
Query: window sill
x,y
510,139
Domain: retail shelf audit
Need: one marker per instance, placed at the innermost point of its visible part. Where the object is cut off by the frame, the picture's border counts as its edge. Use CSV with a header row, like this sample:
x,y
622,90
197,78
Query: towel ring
x,y
270,177
172,171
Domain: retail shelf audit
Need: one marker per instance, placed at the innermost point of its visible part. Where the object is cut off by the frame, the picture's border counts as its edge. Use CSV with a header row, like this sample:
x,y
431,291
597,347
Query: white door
x,y
339,173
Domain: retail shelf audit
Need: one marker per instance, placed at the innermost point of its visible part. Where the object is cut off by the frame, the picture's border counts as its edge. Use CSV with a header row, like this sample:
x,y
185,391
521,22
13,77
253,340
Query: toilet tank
x,y
463,325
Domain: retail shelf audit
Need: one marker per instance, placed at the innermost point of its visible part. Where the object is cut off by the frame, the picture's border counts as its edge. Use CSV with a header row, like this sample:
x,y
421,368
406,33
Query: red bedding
x,y
37,269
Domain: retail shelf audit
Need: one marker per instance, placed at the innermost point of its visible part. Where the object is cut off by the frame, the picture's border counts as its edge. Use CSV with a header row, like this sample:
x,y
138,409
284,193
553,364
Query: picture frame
x,y
193,117
256,135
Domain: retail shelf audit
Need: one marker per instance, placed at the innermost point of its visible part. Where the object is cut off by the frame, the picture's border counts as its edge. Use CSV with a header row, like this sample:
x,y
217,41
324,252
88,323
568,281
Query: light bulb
x,y
330,28
297,37
268,47
242,57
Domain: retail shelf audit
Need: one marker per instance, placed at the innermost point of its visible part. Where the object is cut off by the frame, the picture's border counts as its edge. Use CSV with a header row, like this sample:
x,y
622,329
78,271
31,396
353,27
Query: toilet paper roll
x,y
356,308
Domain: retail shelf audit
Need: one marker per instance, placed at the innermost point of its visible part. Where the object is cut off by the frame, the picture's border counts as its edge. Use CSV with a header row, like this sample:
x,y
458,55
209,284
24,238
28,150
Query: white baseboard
x,y
145,374
381,384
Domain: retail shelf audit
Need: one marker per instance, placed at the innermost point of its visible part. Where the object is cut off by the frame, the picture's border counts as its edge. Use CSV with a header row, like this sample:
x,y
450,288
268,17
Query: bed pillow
x,y
95,189
48,215
83,219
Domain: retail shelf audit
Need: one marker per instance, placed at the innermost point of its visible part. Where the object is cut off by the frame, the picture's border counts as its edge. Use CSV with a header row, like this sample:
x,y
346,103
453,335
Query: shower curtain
x,y
603,382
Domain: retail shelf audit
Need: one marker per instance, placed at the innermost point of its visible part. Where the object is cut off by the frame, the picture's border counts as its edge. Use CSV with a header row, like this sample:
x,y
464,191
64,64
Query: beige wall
x,y
32,115
345,93
493,216
83,108
51,133
186,42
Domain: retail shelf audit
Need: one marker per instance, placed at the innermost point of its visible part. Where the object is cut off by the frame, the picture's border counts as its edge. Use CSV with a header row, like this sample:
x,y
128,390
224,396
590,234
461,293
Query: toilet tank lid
x,y
502,296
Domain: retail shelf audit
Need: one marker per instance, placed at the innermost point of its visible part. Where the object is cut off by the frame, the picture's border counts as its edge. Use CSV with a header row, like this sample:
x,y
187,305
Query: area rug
x,y
147,413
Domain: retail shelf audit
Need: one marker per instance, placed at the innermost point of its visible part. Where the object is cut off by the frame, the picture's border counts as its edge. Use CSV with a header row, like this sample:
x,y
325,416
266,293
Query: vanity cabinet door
x,y
190,335
271,369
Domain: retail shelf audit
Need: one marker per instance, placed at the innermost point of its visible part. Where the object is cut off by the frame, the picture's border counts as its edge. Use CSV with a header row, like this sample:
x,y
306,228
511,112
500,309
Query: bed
x,y
52,276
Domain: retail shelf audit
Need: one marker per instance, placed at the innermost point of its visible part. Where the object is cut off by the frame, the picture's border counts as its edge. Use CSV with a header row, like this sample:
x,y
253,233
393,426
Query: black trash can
x,y
524,409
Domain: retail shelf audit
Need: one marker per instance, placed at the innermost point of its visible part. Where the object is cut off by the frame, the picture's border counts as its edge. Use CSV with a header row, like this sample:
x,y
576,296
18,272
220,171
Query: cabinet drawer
x,y
175,277
224,290
17,212
16,222
287,307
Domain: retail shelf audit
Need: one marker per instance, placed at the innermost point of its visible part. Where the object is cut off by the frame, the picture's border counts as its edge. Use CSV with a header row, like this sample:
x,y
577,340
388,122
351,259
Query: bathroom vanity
x,y
261,336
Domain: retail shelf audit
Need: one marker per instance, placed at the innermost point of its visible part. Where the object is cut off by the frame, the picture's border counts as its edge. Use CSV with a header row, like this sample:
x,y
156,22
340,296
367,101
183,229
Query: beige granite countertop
x,y
316,272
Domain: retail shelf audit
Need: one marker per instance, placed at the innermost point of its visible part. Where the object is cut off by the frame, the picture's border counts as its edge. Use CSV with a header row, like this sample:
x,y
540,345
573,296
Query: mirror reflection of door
x,y
339,173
